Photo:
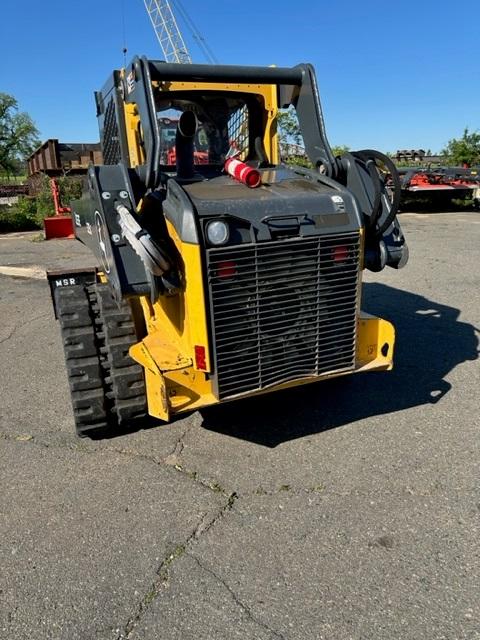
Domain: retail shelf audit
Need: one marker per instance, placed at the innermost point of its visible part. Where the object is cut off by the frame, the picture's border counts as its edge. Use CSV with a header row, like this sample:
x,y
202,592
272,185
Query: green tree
x,y
290,133
464,150
18,134
340,149
289,128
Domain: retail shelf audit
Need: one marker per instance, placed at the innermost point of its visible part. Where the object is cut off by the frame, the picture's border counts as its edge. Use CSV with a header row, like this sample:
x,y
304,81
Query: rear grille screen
x,y
283,310
110,138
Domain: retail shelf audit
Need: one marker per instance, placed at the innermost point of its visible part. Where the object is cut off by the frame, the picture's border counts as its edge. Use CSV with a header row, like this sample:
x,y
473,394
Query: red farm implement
x,y
440,184
60,225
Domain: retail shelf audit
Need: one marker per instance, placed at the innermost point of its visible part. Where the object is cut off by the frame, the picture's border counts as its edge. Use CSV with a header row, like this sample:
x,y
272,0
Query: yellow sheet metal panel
x,y
176,325
166,354
196,320
174,389
267,91
155,384
375,343
132,130
101,277
188,389
182,318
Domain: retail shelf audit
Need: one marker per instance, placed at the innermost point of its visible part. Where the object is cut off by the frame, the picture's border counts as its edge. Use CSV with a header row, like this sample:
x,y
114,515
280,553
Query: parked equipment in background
x,y
203,290
60,225
441,183
59,159
410,155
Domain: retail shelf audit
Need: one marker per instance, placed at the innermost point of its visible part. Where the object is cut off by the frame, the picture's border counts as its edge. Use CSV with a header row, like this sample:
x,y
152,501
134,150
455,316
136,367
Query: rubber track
x,y
107,387
85,374
123,376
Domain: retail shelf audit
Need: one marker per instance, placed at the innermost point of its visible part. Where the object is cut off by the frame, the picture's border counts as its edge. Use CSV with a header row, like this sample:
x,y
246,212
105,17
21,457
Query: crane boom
x,y
167,31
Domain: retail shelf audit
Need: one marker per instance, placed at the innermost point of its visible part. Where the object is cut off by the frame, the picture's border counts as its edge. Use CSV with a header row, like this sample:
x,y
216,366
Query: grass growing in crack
x,y
163,572
150,596
285,487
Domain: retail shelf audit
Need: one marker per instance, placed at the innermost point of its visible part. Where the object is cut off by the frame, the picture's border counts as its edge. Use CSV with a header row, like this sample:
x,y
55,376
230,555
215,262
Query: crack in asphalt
x,y
162,462
236,599
180,445
167,463
163,571
287,490
23,324
205,524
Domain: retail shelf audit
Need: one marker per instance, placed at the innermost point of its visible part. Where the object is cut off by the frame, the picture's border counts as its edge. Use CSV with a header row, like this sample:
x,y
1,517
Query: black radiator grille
x,y
283,310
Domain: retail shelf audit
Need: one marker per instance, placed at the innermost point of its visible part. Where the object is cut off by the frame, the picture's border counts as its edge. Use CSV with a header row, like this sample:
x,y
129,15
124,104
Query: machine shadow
x,y
431,342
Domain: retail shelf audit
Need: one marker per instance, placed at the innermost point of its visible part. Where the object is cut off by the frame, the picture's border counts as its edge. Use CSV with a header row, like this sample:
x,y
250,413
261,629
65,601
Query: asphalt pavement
x,y
345,510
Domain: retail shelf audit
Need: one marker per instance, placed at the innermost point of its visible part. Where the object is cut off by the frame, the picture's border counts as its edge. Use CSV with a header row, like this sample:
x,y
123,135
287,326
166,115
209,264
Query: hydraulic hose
x,y
369,156
142,243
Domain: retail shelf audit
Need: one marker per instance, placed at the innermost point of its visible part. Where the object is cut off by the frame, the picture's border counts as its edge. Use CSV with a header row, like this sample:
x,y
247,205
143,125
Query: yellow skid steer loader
x,y
205,290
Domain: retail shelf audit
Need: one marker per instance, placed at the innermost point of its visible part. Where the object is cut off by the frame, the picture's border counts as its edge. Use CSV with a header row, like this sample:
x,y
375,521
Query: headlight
x,y
217,232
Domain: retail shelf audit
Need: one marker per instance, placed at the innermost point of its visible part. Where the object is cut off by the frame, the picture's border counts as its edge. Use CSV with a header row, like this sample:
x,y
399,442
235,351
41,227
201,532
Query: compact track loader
x,y
205,290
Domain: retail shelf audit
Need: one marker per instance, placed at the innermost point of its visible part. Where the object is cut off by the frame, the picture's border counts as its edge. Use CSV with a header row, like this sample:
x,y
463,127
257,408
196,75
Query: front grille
x,y
283,310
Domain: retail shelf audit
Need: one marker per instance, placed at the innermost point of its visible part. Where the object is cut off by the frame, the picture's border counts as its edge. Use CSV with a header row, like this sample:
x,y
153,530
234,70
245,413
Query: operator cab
x,y
228,123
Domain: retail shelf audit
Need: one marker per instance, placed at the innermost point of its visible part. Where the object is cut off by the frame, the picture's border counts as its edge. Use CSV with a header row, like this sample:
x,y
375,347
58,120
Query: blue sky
x,y
392,74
